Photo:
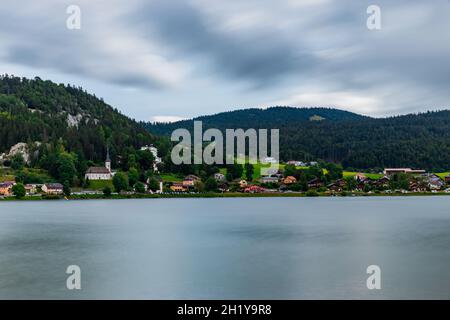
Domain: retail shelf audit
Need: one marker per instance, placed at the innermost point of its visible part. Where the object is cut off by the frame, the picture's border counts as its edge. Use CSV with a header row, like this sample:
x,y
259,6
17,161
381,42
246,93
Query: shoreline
x,y
216,195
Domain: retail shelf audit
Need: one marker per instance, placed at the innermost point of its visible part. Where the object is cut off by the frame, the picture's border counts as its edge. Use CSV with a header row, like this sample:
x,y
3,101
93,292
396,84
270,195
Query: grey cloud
x,y
261,56
325,46
41,40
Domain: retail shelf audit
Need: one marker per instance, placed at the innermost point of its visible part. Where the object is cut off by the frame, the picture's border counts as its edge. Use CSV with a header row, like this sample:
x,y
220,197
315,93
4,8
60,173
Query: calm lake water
x,y
236,248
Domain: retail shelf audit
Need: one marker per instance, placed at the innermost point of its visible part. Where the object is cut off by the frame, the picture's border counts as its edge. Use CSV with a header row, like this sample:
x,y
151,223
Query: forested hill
x,y
257,118
43,111
415,140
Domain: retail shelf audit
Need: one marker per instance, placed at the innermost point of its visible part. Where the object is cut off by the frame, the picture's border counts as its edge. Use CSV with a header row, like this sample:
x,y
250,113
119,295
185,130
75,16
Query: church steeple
x,y
108,160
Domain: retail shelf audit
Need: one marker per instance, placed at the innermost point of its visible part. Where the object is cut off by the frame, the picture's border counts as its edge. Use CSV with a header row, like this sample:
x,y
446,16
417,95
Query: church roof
x,y
98,170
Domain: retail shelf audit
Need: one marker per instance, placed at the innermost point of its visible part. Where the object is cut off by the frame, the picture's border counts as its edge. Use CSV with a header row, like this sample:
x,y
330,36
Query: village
x,y
292,177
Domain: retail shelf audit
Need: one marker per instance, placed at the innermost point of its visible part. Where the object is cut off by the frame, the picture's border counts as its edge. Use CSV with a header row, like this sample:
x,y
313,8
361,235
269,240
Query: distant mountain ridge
x,y
414,140
257,118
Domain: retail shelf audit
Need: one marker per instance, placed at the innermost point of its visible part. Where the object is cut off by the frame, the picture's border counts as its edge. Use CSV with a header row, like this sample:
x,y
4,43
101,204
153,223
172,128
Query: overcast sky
x,y
170,59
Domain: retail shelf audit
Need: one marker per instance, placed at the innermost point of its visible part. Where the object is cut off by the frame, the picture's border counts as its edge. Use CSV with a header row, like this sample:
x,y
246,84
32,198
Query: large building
x,y
389,171
6,188
100,173
53,188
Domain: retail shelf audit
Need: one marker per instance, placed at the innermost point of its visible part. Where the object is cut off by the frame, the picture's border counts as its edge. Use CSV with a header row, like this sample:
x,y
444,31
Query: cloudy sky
x,y
170,59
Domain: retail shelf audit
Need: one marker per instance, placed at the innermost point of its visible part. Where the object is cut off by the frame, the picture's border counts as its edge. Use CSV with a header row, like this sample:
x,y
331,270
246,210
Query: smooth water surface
x,y
227,248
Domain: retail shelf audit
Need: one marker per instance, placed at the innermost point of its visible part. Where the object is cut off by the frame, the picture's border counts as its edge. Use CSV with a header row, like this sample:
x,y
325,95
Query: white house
x,y
297,163
100,173
52,188
154,151
219,176
269,160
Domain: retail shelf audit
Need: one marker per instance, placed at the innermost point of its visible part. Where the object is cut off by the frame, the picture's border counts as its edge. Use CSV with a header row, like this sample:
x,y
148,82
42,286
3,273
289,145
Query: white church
x,y
100,173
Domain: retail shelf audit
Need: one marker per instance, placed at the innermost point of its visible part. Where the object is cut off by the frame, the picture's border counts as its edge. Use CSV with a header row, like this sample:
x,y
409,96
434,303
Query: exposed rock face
x,y
316,118
73,121
21,148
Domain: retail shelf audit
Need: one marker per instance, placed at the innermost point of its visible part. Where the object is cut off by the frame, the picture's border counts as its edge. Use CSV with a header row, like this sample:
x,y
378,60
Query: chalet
x,y
360,176
382,182
6,188
243,183
100,173
190,180
254,189
32,188
315,183
178,187
289,180
52,188
447,179
341,182
435,184
269,179
223,187
219,177
433,181
269,160
361,184
296,163
337,186
417,186
271,172
391,171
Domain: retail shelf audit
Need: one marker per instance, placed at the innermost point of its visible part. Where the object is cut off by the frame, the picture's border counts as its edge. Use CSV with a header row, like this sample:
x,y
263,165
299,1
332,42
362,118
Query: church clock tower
x,y
108,160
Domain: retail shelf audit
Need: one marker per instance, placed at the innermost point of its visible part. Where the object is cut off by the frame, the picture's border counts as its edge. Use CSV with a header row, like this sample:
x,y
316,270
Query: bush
x,y
312,193
120,181
17,162
107,191
139,187
51,197
211,184
66,189
19,190
153,184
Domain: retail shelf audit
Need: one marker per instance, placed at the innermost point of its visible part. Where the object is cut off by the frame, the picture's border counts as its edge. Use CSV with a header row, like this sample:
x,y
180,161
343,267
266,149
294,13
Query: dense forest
x,y
415,140
274,117
37,110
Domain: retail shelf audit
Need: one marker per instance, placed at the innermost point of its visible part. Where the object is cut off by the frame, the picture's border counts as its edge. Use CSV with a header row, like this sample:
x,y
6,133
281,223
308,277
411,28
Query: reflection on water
x,y
268,248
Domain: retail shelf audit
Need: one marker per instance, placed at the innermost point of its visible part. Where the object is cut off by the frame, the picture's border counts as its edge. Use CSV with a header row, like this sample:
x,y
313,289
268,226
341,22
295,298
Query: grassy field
x,y
6,174
99,184
171,178
257,170
35,175
373,176
442,175
7,178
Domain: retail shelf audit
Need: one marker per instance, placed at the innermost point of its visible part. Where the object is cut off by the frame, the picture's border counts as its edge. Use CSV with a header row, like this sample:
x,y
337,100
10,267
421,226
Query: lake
x,y
227,248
